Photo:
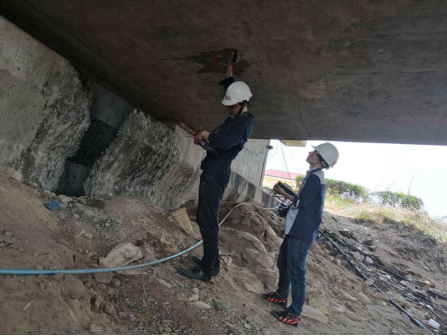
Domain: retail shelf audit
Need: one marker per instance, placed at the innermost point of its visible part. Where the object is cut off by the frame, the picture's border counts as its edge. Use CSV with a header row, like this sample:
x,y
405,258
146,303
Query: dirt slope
x,y
157,300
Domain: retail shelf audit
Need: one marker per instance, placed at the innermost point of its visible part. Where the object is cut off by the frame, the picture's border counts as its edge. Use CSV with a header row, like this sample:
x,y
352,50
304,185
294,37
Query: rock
x,y
10,172
73,288
355,317
76,216
221,306
167,284
408,278
381,296
423,283
8,234
117,283
148,254
2,245
96,302
317,305
32,185
349,297
369,282
363,298
65,200
194,298
122,254
95,329
201,305
315,314
368,242
195,290
336,308
110,291
90,214
372,248
254,286
368,261
181,216
108,308
357,256
399,299
247,326
105,278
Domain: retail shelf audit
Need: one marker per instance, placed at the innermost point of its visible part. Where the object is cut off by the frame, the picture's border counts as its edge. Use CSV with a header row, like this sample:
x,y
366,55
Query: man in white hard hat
x,y
228,140
301,228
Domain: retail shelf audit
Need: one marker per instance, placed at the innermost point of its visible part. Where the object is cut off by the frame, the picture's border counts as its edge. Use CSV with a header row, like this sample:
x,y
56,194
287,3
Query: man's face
x,y
312,158
233,109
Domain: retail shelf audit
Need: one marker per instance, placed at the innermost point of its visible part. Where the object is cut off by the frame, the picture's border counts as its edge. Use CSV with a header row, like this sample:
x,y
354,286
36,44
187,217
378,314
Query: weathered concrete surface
x,y
61,129
138,160
358,70
43,108
149,160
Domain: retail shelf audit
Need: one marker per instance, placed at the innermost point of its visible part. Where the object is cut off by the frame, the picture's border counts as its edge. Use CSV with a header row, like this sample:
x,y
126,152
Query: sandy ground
x,y
158,300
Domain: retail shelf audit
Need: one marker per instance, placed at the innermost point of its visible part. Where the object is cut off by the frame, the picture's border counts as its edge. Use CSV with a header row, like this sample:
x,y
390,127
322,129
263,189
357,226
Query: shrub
x,y
347,190
399,200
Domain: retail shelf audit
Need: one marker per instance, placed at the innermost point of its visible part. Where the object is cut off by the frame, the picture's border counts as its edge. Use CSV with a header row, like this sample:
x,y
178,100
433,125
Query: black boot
x,y
195,273
198,262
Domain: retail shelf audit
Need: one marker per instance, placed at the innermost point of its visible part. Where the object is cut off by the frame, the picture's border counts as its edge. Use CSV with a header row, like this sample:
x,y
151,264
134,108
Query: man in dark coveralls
x,y
228,139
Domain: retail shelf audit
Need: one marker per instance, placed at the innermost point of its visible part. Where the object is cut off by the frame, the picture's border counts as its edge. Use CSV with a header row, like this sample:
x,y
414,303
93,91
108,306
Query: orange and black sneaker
x,y
274,298
286,317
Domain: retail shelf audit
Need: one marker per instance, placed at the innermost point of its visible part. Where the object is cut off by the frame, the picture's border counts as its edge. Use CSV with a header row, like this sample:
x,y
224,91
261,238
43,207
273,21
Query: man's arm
x,y
236,136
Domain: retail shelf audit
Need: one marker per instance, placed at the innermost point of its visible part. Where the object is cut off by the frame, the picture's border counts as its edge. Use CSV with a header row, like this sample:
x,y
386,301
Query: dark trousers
x,y
211,192
292,272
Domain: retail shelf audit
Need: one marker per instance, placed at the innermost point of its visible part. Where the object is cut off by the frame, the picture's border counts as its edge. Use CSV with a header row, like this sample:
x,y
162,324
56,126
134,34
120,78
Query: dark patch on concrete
x,y
251,192
208,60
72,180
97,138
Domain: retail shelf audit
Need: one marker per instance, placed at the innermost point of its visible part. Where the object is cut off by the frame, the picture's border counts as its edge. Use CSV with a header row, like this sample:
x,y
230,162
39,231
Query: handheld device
x,y
287,189
207,147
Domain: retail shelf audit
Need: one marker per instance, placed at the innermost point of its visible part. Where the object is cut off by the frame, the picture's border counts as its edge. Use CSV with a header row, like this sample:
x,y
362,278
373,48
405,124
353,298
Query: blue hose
x,y
123,268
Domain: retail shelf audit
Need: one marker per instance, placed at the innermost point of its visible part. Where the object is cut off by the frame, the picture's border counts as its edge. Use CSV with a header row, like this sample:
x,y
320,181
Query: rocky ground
x,y
90,233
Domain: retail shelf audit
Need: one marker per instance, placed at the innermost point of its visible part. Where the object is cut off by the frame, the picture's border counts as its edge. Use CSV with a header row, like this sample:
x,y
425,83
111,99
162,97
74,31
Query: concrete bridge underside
x,y
352,70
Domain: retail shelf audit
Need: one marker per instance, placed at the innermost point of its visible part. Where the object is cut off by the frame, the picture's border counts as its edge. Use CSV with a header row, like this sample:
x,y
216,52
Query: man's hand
x,y
230,59
230,64
203,135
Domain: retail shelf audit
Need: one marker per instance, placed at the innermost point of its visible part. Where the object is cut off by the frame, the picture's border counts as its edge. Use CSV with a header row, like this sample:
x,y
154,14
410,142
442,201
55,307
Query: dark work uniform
x,y
228,139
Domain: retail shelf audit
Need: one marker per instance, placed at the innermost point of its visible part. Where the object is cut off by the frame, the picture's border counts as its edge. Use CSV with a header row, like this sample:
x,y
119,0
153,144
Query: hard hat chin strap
x,y
241,109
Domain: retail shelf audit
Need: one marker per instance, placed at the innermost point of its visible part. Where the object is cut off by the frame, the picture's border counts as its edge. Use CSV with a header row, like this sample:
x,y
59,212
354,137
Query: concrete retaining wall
x,y
71,135
44,109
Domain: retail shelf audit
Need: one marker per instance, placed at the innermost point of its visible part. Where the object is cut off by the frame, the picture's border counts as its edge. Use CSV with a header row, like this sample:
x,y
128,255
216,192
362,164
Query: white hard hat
x,y
236,93
328,152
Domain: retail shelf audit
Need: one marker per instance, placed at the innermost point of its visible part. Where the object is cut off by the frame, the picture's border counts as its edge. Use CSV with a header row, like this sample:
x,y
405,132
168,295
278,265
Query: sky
x,y
418,170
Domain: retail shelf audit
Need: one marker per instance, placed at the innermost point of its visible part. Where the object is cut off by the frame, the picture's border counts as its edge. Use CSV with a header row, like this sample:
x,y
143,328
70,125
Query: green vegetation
x,y
347,190
399,200
383,207
425,228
